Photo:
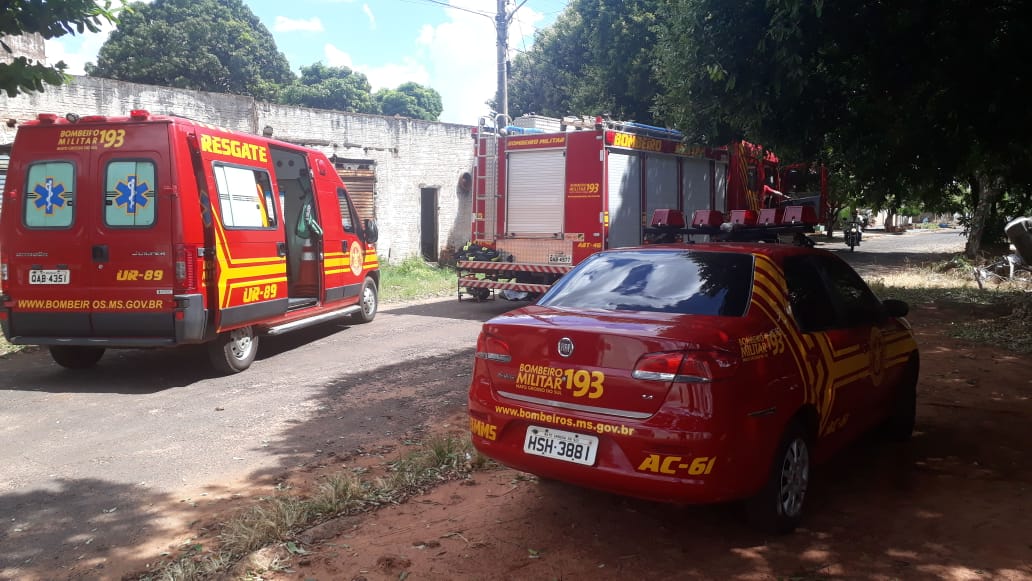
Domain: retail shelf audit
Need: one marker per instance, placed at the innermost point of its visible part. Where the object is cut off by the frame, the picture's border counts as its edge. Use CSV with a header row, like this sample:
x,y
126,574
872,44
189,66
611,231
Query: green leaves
x,y
206,45
49,19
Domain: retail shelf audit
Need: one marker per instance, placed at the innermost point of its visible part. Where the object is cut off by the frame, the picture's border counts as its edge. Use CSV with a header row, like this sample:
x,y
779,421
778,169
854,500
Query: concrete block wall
x,y
408,154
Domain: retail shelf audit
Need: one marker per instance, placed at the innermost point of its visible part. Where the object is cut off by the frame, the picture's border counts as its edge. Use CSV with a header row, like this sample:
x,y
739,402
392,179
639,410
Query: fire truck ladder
x,y
485,195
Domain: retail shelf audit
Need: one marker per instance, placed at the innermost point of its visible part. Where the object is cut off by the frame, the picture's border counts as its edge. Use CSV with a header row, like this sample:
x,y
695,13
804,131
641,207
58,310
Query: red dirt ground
x,y
954,503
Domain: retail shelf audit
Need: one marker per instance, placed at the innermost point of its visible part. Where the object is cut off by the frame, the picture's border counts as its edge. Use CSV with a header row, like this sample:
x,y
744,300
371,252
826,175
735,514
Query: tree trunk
x,y
988,190
890,220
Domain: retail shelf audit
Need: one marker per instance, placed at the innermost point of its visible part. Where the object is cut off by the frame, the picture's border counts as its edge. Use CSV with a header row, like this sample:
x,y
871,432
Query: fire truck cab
x,y
158,231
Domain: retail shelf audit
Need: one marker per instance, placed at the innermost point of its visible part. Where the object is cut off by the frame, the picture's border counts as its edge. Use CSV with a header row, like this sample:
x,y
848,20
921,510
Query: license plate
x,y
560,259
49,277
561,445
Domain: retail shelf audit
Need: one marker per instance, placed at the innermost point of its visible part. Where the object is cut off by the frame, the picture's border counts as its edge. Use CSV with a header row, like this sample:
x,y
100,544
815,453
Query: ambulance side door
x,y
250,252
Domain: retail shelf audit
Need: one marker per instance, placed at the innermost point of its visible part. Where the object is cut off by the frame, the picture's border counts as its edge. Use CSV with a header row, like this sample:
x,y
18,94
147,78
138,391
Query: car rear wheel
x,y
778,507
368,302
75,356
899,426
233,351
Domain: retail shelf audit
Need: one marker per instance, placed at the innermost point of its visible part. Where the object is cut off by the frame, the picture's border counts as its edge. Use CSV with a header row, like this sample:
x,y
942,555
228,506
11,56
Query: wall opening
x,y
428,231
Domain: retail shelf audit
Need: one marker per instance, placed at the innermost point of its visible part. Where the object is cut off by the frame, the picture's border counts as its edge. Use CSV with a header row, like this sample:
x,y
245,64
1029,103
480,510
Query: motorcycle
x,y
853,234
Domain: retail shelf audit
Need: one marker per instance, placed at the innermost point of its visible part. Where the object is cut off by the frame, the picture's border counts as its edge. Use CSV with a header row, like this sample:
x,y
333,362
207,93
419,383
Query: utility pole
x,y
502,21
502,26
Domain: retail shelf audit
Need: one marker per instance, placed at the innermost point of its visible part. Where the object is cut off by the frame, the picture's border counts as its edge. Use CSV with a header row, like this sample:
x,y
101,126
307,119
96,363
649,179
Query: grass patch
x,y
998,315
276,519
414,279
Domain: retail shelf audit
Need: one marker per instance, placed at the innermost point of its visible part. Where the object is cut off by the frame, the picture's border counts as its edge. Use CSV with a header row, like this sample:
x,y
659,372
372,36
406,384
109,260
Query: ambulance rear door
x,y
131,234
88,236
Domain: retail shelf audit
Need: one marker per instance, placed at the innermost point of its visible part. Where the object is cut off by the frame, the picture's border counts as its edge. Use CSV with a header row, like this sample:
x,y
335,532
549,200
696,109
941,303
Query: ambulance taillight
x,y
186,268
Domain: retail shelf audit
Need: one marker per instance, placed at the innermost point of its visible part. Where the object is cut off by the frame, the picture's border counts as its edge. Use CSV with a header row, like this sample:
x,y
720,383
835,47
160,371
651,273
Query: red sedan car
x,y
695,373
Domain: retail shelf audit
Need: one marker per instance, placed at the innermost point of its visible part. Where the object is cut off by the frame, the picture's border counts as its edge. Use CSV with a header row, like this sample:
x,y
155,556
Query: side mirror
x,y
895,307
371,232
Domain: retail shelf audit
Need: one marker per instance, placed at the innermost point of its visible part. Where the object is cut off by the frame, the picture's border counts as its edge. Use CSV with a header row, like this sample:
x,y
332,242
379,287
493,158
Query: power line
x,y
447,5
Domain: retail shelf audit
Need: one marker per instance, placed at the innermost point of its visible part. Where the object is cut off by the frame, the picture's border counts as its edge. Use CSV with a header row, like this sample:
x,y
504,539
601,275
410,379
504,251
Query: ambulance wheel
x,y
75,356
368,302
234,351
778,507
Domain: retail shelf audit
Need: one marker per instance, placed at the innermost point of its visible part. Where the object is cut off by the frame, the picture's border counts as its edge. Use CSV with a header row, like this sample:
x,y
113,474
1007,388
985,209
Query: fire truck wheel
x,y
234,351
76,357
368,302
778,507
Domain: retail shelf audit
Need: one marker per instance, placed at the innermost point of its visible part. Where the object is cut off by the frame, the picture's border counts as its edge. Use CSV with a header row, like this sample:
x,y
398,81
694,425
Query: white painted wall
x,y
409,154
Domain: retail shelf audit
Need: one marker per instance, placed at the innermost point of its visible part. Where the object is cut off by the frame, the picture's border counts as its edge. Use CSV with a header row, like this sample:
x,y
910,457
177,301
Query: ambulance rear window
x,y
50,195
129,200
246,197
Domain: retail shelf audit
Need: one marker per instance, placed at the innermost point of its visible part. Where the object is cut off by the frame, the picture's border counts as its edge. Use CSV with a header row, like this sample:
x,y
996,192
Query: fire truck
x,y
549,192
159,231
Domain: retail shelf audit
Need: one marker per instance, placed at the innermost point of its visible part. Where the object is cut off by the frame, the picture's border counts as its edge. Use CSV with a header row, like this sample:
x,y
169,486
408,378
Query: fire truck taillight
x,y
186,268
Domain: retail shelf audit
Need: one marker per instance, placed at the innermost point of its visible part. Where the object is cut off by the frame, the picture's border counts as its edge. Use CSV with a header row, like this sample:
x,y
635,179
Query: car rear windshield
x,y
665,281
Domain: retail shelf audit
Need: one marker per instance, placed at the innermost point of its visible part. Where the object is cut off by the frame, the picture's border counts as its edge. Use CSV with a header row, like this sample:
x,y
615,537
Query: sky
x,y
449,45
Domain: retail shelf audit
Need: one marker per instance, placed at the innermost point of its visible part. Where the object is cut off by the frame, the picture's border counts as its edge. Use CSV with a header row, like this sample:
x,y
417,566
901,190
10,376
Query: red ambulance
x,y
158,231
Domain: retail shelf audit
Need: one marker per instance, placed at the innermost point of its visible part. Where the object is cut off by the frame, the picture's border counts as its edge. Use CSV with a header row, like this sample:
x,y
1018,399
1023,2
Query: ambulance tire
x,y
233,351
368,302
778,507
76,356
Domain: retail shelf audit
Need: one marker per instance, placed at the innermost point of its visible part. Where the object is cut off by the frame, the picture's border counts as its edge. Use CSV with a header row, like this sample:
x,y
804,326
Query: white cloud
x,y
462,57
284,24
369,13
458,58
77,50
388,76
336,57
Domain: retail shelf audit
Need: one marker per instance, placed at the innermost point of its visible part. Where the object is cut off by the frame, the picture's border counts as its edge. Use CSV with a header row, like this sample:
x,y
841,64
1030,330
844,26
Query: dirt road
x,y
955,503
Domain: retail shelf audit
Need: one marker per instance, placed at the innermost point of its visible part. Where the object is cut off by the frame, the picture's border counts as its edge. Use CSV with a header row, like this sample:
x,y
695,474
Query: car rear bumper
x,y
651,459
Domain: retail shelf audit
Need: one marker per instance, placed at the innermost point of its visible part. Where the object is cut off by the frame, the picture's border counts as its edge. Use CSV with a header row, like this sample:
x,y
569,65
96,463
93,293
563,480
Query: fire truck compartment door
x,y
536,193
624,199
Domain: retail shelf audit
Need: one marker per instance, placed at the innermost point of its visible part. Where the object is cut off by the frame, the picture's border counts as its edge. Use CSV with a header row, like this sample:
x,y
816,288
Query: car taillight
x,y
685,366
492,349
186,268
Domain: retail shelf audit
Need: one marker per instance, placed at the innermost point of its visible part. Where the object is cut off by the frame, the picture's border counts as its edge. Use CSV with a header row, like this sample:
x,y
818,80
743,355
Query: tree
x,y
901,93
596,58
205,45
49,19
411,100
336,88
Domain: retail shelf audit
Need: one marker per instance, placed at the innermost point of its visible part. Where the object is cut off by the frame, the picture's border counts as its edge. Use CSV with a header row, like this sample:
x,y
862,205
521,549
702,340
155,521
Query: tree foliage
x,y
596,58
325,87
206,45
49,19
901,95
411,100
